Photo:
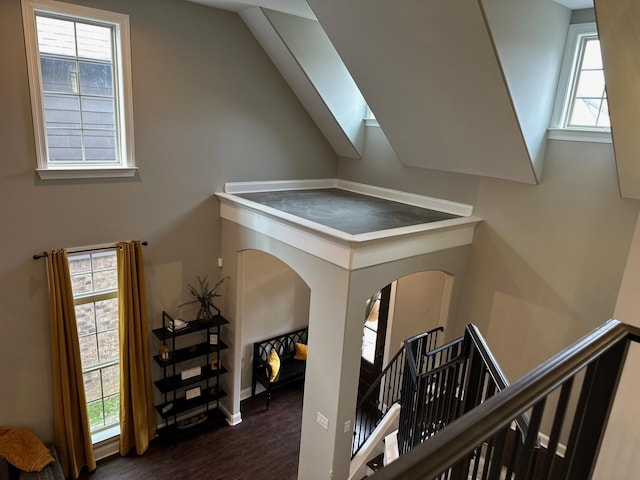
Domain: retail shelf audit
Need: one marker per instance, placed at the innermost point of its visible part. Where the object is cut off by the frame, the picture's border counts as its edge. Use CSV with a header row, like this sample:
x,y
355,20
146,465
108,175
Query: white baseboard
x,y
244,394
544,442
232,420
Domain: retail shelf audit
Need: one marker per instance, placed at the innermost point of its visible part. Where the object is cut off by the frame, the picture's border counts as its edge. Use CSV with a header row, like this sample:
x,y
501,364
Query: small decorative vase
x,y
204,314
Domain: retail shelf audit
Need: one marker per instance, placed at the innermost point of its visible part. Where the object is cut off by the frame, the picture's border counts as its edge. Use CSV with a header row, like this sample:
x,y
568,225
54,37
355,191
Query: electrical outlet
x,y
347,426
220,262
323,421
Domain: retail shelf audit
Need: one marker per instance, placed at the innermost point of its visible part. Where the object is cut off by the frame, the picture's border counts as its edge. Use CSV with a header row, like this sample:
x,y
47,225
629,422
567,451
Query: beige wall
x,y
546,262
627,310
209,107
274,300
380,166
417,307
618,458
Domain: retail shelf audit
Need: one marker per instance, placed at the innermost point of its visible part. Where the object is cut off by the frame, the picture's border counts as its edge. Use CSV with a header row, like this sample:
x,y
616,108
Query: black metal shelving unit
x,y
197,347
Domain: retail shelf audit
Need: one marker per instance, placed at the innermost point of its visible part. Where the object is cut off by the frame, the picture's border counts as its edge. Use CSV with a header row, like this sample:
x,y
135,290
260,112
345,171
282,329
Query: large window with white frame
x,y
94,281
581,108
80,80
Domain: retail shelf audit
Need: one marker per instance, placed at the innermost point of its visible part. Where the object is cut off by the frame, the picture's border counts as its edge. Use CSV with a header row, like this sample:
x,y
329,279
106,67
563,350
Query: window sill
x,y
106,434
69,173
573,135
106,442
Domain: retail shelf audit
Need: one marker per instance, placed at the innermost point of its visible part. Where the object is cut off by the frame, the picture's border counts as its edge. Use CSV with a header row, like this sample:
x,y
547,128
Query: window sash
x,y
124,164
84,298
577,38
574,96
83,127
108,422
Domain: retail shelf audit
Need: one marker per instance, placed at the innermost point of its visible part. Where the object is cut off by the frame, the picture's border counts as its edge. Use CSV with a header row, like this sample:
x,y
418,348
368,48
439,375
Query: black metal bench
x,y
291,370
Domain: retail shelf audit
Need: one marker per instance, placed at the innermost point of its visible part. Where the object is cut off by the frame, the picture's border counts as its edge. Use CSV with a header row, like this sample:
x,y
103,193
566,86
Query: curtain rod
x,y
37,256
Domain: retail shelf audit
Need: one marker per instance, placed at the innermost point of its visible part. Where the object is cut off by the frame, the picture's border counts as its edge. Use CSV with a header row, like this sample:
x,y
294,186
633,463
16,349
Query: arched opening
x,y
421,302
273,300
413,304
410,305
374,333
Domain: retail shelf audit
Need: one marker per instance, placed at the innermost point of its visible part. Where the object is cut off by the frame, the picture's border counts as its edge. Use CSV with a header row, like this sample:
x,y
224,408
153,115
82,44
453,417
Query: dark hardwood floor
x,y
265,445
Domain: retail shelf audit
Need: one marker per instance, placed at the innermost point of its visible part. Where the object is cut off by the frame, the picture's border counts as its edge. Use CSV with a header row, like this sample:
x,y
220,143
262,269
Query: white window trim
x,y
371,122
576,135
558,131
106,441
122,55
370,119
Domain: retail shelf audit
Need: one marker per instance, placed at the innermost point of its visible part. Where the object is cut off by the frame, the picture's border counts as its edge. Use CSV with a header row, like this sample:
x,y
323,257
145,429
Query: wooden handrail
x,y
496,372
453,443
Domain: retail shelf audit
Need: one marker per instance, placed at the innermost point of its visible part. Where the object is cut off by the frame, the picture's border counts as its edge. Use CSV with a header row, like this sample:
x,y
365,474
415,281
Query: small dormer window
x,y
587,100
581,110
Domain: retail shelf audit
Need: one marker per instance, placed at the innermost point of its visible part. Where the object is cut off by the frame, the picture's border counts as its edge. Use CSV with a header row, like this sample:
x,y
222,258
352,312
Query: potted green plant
x,y
204,295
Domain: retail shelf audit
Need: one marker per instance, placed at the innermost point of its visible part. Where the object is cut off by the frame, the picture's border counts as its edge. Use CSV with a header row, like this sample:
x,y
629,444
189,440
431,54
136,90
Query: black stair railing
x,y
481,443
442,384
385,391
427,401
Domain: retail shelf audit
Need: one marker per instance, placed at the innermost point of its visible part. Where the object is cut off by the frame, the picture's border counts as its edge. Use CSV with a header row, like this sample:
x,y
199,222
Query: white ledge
x,y
100,172
421,201
340,248
575,135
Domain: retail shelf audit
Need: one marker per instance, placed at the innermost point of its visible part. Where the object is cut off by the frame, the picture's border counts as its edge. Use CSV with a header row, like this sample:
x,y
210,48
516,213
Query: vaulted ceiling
x,y
462,86
301,8
431,74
